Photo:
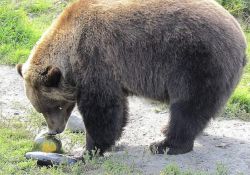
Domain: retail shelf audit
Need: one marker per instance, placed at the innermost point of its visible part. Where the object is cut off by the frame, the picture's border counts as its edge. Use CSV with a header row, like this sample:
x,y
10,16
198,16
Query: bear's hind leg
x,y
186,122
198,89
188,117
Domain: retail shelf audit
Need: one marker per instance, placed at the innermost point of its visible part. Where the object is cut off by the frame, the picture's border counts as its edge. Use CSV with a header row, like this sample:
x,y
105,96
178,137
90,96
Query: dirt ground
x,y
224,141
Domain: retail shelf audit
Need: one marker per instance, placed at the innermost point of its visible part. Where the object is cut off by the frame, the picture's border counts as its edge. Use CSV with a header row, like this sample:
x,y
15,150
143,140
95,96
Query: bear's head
x,y
49,94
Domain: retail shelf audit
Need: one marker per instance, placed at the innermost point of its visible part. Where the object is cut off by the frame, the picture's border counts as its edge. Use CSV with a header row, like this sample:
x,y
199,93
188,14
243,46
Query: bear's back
x,y
131,20
148,38
172,25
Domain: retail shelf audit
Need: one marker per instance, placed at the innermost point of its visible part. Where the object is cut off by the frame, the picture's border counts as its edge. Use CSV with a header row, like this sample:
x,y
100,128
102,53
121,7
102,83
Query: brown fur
x,y
188,52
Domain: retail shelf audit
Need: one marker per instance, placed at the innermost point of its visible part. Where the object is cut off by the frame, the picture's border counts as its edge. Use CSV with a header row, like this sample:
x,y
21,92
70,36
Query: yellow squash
x,y
48,144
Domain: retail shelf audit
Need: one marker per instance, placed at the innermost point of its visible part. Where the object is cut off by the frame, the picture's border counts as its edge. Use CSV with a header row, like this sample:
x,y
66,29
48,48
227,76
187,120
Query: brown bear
x,y
189,53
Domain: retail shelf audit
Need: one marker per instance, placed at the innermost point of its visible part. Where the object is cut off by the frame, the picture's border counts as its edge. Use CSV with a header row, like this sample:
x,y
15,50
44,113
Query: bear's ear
x,y
19,69
51,76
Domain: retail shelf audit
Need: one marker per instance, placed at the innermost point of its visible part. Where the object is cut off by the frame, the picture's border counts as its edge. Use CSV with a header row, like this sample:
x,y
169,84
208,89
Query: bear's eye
x,y
60,108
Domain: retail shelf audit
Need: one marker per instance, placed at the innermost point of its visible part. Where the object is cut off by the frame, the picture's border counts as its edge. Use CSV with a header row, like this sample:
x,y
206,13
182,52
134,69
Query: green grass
x,y
22,23
16,138
16,141
16,37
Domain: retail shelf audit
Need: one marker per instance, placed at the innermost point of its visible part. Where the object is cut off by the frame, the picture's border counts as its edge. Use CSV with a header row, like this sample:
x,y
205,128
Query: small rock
x,y
75,124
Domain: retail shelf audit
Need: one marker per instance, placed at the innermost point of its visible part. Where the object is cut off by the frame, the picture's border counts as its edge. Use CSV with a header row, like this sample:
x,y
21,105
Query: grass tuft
x,y
15,142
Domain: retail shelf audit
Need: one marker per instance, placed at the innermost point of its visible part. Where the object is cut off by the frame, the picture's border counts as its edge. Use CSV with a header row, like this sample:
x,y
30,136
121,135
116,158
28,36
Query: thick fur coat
x,y
189,53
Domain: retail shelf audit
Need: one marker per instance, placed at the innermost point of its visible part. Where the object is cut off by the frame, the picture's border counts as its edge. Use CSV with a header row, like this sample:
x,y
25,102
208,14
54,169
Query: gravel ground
x,y
224,141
